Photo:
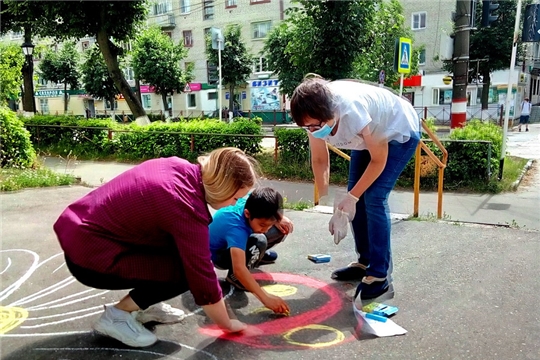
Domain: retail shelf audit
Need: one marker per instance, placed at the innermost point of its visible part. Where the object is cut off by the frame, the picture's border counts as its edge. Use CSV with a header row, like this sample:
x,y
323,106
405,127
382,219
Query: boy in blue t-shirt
x,y
240,236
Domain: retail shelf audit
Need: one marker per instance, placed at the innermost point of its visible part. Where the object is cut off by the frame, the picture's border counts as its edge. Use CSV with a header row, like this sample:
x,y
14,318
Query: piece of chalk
x,y
376,317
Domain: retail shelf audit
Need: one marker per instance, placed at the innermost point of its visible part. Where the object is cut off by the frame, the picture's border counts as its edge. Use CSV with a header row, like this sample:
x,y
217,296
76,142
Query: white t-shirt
x,y
526,108
359,105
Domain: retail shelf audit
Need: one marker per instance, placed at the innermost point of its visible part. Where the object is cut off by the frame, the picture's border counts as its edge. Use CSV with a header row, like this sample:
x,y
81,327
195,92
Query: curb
x,y
321,209
527,166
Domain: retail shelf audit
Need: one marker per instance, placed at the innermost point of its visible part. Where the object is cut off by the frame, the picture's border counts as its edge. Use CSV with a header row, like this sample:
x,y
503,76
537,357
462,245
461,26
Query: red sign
x,y
146,89
193,87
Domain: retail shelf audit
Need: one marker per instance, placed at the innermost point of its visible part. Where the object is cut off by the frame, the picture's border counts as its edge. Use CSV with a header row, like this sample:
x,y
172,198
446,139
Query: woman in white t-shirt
x,y
382,130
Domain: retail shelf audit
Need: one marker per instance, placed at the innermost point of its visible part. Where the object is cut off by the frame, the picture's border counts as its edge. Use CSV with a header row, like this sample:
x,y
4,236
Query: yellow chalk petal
x,y
11,317
280,290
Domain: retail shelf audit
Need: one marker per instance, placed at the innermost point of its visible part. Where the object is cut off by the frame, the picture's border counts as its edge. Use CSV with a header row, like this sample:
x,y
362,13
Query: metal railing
x,y
192,135
440,164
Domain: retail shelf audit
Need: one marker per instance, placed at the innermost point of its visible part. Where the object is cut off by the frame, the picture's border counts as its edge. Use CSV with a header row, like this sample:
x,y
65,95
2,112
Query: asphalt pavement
x,y
464,290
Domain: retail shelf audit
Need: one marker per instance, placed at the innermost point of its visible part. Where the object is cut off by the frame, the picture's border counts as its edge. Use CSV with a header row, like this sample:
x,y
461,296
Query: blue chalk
x,y
376,317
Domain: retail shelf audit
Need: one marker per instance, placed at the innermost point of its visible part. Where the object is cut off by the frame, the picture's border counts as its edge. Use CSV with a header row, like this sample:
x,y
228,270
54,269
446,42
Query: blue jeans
x,y
371,224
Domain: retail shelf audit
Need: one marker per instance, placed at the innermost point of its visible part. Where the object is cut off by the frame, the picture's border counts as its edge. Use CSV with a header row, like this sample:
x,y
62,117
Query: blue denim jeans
x,y
371,224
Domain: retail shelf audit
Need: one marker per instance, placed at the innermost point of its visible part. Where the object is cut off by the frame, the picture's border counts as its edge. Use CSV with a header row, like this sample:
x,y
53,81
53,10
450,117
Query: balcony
x,y
164,21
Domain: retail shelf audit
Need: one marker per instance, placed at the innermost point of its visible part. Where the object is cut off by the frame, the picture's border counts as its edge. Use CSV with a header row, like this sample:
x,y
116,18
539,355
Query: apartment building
x,y
190,21
431,23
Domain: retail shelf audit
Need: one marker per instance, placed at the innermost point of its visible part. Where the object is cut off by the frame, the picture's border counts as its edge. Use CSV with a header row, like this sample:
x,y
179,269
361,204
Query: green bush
x,y
293,147
133,142
16,149
469,161
77,137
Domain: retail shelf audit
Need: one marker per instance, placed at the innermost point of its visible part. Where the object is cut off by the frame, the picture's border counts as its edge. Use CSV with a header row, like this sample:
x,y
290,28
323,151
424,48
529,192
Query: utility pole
x,y
458,114
509,89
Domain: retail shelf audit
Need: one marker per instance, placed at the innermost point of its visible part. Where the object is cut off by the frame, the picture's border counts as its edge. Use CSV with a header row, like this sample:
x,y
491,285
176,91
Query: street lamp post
x,y
29,103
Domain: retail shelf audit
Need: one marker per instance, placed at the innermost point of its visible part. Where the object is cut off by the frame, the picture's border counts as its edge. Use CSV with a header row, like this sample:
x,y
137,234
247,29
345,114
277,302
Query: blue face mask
x,y
323,132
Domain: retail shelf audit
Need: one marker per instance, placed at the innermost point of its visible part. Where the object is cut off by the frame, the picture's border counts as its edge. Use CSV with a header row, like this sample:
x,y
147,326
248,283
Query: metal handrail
x,y
440,164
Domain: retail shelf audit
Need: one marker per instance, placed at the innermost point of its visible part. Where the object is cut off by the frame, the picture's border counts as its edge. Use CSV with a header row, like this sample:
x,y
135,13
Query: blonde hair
x,y
224,172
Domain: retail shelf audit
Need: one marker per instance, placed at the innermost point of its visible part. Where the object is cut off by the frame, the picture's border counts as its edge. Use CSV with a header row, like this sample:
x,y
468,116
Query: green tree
x,y
62,67
31,18
11,62
236,61
324,37
96,78
388,25
107,21
156,61
494,44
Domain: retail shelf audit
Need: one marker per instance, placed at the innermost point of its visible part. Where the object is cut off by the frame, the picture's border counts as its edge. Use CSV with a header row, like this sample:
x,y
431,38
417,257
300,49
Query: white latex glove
x,y
338,225
324,201
348,205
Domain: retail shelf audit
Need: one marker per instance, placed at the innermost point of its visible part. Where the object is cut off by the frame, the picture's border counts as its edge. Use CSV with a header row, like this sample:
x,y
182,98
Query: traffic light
x,y
489,12
212,73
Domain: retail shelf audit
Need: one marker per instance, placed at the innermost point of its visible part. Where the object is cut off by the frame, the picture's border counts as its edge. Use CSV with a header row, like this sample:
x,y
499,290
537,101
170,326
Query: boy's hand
x,y
285,225
276,304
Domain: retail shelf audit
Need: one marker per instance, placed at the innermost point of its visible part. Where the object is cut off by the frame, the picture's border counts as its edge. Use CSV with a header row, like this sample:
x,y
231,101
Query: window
x,y
162,7
261,29
188,38
191,101
44,106
108,105
260,65
129,74
126,45
442,96
419,20
15,35
212,95
41,81
259,1
231,3
146,101
168,33
85,45
422,57
208,9
185,6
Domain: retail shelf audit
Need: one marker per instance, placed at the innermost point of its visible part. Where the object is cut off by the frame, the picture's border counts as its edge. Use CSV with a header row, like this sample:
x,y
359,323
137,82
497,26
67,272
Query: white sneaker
x,y
122,326
161,313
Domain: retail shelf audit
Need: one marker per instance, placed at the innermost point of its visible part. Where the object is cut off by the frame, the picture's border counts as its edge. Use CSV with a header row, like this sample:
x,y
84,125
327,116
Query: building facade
x,y
190,21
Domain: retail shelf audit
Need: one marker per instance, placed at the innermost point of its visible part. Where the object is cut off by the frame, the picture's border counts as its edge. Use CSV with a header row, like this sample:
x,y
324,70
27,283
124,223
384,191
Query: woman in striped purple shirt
x,y
147,230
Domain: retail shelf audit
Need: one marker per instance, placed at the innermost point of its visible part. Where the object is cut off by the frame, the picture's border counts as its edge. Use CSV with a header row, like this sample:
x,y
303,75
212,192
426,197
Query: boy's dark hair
x,y
314,99
265,203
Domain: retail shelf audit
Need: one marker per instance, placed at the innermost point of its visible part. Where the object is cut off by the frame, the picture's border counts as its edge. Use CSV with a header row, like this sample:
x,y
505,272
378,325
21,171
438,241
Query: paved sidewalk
x,y
518,208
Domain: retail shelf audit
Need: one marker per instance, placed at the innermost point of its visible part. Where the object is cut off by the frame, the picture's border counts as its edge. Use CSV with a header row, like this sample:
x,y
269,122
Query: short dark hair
x,y
265,203
312,98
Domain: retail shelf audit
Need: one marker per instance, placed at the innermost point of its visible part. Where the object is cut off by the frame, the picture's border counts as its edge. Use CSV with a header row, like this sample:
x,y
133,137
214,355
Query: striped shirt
x,y
148,223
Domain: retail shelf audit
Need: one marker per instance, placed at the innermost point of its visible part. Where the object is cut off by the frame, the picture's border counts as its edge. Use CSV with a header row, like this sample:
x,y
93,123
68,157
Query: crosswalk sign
x,y
403,55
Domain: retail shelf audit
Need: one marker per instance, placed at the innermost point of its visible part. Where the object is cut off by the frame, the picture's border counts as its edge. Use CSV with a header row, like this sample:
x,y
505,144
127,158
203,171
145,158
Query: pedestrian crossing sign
x,y
403,55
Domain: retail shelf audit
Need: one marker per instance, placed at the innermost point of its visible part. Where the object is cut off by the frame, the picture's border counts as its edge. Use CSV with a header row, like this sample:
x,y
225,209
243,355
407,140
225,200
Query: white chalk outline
x,y
7,267
60,321
41,307
68,313
210,355
13,287
59,285
44,292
